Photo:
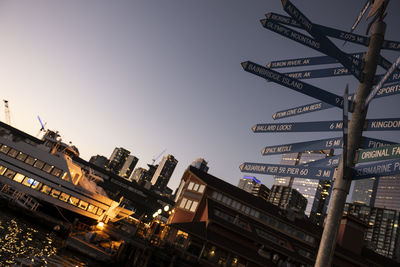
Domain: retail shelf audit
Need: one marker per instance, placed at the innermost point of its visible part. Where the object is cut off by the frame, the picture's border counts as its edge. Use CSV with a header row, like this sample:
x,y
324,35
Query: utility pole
x,y
344,175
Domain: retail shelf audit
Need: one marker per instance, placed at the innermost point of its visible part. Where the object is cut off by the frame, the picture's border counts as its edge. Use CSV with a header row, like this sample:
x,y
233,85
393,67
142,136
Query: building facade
x,y
200,164
254,186
163,172
99,161
286,198
117,159
128,167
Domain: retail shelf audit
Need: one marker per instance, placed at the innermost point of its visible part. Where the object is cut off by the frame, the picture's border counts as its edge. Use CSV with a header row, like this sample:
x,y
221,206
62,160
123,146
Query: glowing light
x,y
100,226
166,208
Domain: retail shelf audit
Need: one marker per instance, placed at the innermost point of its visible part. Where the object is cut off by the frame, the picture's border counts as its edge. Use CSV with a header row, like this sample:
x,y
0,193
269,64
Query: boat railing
x,y
20,197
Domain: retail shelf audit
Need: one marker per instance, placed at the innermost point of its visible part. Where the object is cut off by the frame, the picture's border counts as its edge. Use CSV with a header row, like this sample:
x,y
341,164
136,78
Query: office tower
x,y
317,192
164,172
253,186
117,159
138,175
99,161
286,197
382,192
128,167
200,164
382,235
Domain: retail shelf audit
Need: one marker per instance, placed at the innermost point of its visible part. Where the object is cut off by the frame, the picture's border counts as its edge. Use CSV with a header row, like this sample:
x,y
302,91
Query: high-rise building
x,y
99,161
138,175
200,164
117,159
382,235
164,172
287,198
317,192
253,186
382,192
128,166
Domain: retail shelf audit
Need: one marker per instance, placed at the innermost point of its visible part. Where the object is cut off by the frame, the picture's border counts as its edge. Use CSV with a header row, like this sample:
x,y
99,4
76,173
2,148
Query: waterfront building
x,y
287,198
214,223
254,186
128,167
317,192
382,235
99,160
163,172
117,159
200,164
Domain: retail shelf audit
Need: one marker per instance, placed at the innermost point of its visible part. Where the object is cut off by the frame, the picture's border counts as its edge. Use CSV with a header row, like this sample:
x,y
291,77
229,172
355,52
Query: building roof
x,y
15,131
254,201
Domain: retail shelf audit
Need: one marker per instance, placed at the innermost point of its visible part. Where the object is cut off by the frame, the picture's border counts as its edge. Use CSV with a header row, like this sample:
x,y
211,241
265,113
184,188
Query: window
x,y
35,185
214,195
27,181
4,149
55,193
30,160
188,204
64,197
219,196
183,203
99,211
22,156
83,205
47,168
195,187
201,188
73,201
38,164
56,172
12,153
92,209
9,174
190,186
19,177
194,206
45,189
2,170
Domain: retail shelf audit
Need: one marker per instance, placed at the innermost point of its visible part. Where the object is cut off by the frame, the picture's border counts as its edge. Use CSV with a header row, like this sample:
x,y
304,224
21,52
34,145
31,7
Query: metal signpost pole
x,y
342,186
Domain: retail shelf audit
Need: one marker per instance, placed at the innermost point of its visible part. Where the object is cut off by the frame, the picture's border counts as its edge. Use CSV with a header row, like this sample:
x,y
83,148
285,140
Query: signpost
x,y
321,73
288,170
381,153
381,168
292,83
332,162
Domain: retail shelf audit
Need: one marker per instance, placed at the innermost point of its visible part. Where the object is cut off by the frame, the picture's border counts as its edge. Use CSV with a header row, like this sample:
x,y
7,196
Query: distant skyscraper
x,y
200,164
317,192
138,175
128,166
382,235
99,161
164,172
286,197
117,159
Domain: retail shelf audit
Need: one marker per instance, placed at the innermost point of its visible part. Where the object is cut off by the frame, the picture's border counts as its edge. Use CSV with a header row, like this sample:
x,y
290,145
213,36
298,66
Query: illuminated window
x,y
194,206
47,168
35,185
190,186
56,172
55,193
99,211
30,160
64,197
83,205
9,174
22,156
28,181
4,149
19,177
188,204
201,188
183,202
73,201
45,189
195,187
2,170
38,164
92,209
12,153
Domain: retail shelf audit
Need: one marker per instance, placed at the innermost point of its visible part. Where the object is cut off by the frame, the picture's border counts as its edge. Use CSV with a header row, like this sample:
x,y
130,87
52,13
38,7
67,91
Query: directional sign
x,y
315,126
383,124
294,84
381,168
391,45
321,73
381,82
368,142
382,153
317,106
327,162
338,34
322,144
287,170
327,46
308,61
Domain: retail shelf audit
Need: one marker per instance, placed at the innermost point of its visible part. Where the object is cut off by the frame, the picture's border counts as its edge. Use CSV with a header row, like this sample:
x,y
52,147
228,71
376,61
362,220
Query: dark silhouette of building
x,y
138,175
128,166
99,160
254,186
200,164
287,198
163,172
117,159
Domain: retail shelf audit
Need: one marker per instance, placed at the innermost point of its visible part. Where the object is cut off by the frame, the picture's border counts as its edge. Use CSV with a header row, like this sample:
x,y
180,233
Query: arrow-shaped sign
x,y
325,126
321,73
381,153
381,168
327,46
317,106
328,162
294,84
287,170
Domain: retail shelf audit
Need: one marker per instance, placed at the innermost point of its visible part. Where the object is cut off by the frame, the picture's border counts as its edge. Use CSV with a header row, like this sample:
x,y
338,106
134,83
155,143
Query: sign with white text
x,y
381,168
381,153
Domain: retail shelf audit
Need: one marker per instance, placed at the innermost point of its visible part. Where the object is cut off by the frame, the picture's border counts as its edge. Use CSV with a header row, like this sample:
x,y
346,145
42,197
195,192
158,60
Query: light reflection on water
x,y
20,239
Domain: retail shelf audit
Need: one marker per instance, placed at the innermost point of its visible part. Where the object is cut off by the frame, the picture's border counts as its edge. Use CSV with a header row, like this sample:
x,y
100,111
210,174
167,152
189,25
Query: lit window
x,y
27,181
55,193
99,211
92,209
188,204
73,201
195,187
47,168
64,197
56,172
30,160
12,153
194,206
9,174
38,164
21,156
183,203
83,205
190,186
2,170
35,185
19,177
5,149
45,189
201,188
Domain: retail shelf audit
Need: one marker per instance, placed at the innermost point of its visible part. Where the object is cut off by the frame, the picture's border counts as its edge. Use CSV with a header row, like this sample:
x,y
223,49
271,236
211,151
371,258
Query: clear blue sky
x,y
149,74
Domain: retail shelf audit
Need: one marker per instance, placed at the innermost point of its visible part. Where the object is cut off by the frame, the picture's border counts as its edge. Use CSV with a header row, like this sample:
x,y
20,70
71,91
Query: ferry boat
x,y
43,170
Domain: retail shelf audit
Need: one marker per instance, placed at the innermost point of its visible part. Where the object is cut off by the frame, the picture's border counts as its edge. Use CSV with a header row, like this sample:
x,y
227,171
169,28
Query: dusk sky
x,y
149,75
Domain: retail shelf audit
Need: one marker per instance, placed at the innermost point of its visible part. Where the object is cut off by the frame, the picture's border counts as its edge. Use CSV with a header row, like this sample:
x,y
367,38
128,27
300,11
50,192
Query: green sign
x,y
381,153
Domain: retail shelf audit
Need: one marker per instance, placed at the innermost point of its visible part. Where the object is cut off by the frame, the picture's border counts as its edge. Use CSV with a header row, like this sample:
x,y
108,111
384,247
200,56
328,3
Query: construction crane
x,y
42,126
159,155
7,111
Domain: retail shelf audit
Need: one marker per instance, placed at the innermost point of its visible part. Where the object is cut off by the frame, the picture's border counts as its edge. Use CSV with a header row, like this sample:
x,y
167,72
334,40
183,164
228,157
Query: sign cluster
x,y
384,154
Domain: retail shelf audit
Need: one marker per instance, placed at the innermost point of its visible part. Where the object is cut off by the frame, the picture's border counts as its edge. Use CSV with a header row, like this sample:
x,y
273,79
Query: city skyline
x,y
149,76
